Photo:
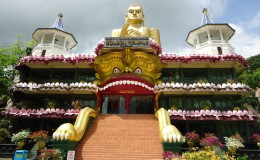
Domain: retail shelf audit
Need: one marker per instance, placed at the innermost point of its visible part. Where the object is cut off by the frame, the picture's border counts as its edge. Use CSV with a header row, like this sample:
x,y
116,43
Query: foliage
x,y
170,155
255,137
76,103
254,62
244,157
51,103
238,137
53,154
233,142
40,136
251,76
201,80
206,105
247,101
173,108
5,123
192,136
210,140
9,57
236,108
230,80
205,155
20,136
4,133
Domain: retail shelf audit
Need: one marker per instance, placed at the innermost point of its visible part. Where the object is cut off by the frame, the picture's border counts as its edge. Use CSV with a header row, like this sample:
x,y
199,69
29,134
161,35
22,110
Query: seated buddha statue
x,y
134,25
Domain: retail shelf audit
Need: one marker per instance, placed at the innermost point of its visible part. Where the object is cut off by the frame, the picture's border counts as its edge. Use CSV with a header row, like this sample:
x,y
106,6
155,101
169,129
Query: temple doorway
x,y
113,104
127,104
141,105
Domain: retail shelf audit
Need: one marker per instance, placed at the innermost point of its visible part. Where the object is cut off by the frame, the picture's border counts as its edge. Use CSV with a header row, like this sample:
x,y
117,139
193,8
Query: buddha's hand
x,y
124,29
65,132
171,134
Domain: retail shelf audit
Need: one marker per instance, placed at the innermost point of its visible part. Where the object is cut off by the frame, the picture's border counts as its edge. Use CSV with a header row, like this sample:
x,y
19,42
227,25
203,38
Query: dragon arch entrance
x,y
126,95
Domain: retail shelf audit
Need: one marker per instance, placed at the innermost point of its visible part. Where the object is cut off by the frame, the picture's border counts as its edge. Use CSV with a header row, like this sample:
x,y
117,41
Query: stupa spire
x,y
58,23
206,19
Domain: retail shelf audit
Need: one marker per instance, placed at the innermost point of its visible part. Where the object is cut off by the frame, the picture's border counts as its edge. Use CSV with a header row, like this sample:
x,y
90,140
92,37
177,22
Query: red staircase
x,y
121,137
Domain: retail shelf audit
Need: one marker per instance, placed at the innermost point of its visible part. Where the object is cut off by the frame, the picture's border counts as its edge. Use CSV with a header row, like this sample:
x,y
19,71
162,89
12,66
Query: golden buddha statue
x,y
136,62
134,25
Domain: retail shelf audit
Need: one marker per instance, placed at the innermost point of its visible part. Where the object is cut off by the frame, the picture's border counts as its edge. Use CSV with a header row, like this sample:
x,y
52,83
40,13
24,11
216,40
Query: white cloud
x,y
245,44
91,20
246,40
255,22
216,8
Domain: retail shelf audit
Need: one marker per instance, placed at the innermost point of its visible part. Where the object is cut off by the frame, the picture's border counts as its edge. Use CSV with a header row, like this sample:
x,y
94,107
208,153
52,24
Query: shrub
x,y
53,154
192,136
40,136
4,133
210,140
205,155
20,136
255,137
233,142
5,123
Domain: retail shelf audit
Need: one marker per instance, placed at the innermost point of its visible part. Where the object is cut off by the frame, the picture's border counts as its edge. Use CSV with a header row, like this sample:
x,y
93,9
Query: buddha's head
x,y
134,14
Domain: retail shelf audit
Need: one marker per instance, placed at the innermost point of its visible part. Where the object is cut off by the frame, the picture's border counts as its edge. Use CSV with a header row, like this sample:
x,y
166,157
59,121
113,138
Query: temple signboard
x,y
118,42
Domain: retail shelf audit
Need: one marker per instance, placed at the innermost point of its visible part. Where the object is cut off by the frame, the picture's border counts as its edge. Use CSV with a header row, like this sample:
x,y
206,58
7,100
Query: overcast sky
x,y
91,20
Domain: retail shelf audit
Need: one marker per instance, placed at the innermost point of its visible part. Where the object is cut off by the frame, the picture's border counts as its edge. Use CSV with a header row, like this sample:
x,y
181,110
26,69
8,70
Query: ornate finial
x,y
60,15
205,11
58,22
206,19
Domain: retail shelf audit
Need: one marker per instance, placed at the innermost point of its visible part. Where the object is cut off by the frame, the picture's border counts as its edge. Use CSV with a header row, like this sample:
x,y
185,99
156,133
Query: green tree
x,y
251,76
9,57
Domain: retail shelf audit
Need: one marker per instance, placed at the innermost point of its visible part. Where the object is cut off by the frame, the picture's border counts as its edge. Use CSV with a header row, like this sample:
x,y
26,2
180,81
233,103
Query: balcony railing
x,y
212,42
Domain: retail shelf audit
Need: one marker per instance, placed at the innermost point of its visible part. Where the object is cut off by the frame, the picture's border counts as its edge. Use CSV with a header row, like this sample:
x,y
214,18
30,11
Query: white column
x,y
64,43
198,42
53,39
104,106
221,35
42,38
209,39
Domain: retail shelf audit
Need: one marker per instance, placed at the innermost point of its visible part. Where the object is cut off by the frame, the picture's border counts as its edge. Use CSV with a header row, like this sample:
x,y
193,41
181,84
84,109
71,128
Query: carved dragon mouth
x,y
126,80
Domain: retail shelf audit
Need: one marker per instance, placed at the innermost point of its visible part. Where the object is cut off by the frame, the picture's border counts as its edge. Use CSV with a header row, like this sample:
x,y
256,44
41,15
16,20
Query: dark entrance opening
x,y
130,104
219,50
141,105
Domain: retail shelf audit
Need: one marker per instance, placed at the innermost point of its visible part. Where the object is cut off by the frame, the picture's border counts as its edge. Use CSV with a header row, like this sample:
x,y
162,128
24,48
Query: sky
x,y
91,20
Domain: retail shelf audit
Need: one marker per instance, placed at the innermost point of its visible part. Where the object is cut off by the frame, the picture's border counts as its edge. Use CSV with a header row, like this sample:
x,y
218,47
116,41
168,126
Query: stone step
x,y
113,136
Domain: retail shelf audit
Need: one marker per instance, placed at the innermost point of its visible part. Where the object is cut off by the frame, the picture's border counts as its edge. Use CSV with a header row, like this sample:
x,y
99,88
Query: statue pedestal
x,y
173,147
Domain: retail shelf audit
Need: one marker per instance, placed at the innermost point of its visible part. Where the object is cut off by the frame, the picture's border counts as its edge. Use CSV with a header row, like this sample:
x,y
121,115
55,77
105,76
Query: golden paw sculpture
x,y
168,132
74,133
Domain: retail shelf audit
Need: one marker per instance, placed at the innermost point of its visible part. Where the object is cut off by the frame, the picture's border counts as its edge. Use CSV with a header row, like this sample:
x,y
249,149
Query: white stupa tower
x,y
211,38
53,40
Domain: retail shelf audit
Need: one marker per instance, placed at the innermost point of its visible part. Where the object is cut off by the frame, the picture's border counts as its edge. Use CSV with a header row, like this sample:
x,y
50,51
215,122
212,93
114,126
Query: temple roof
x,y
58,23
206,19
56,27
